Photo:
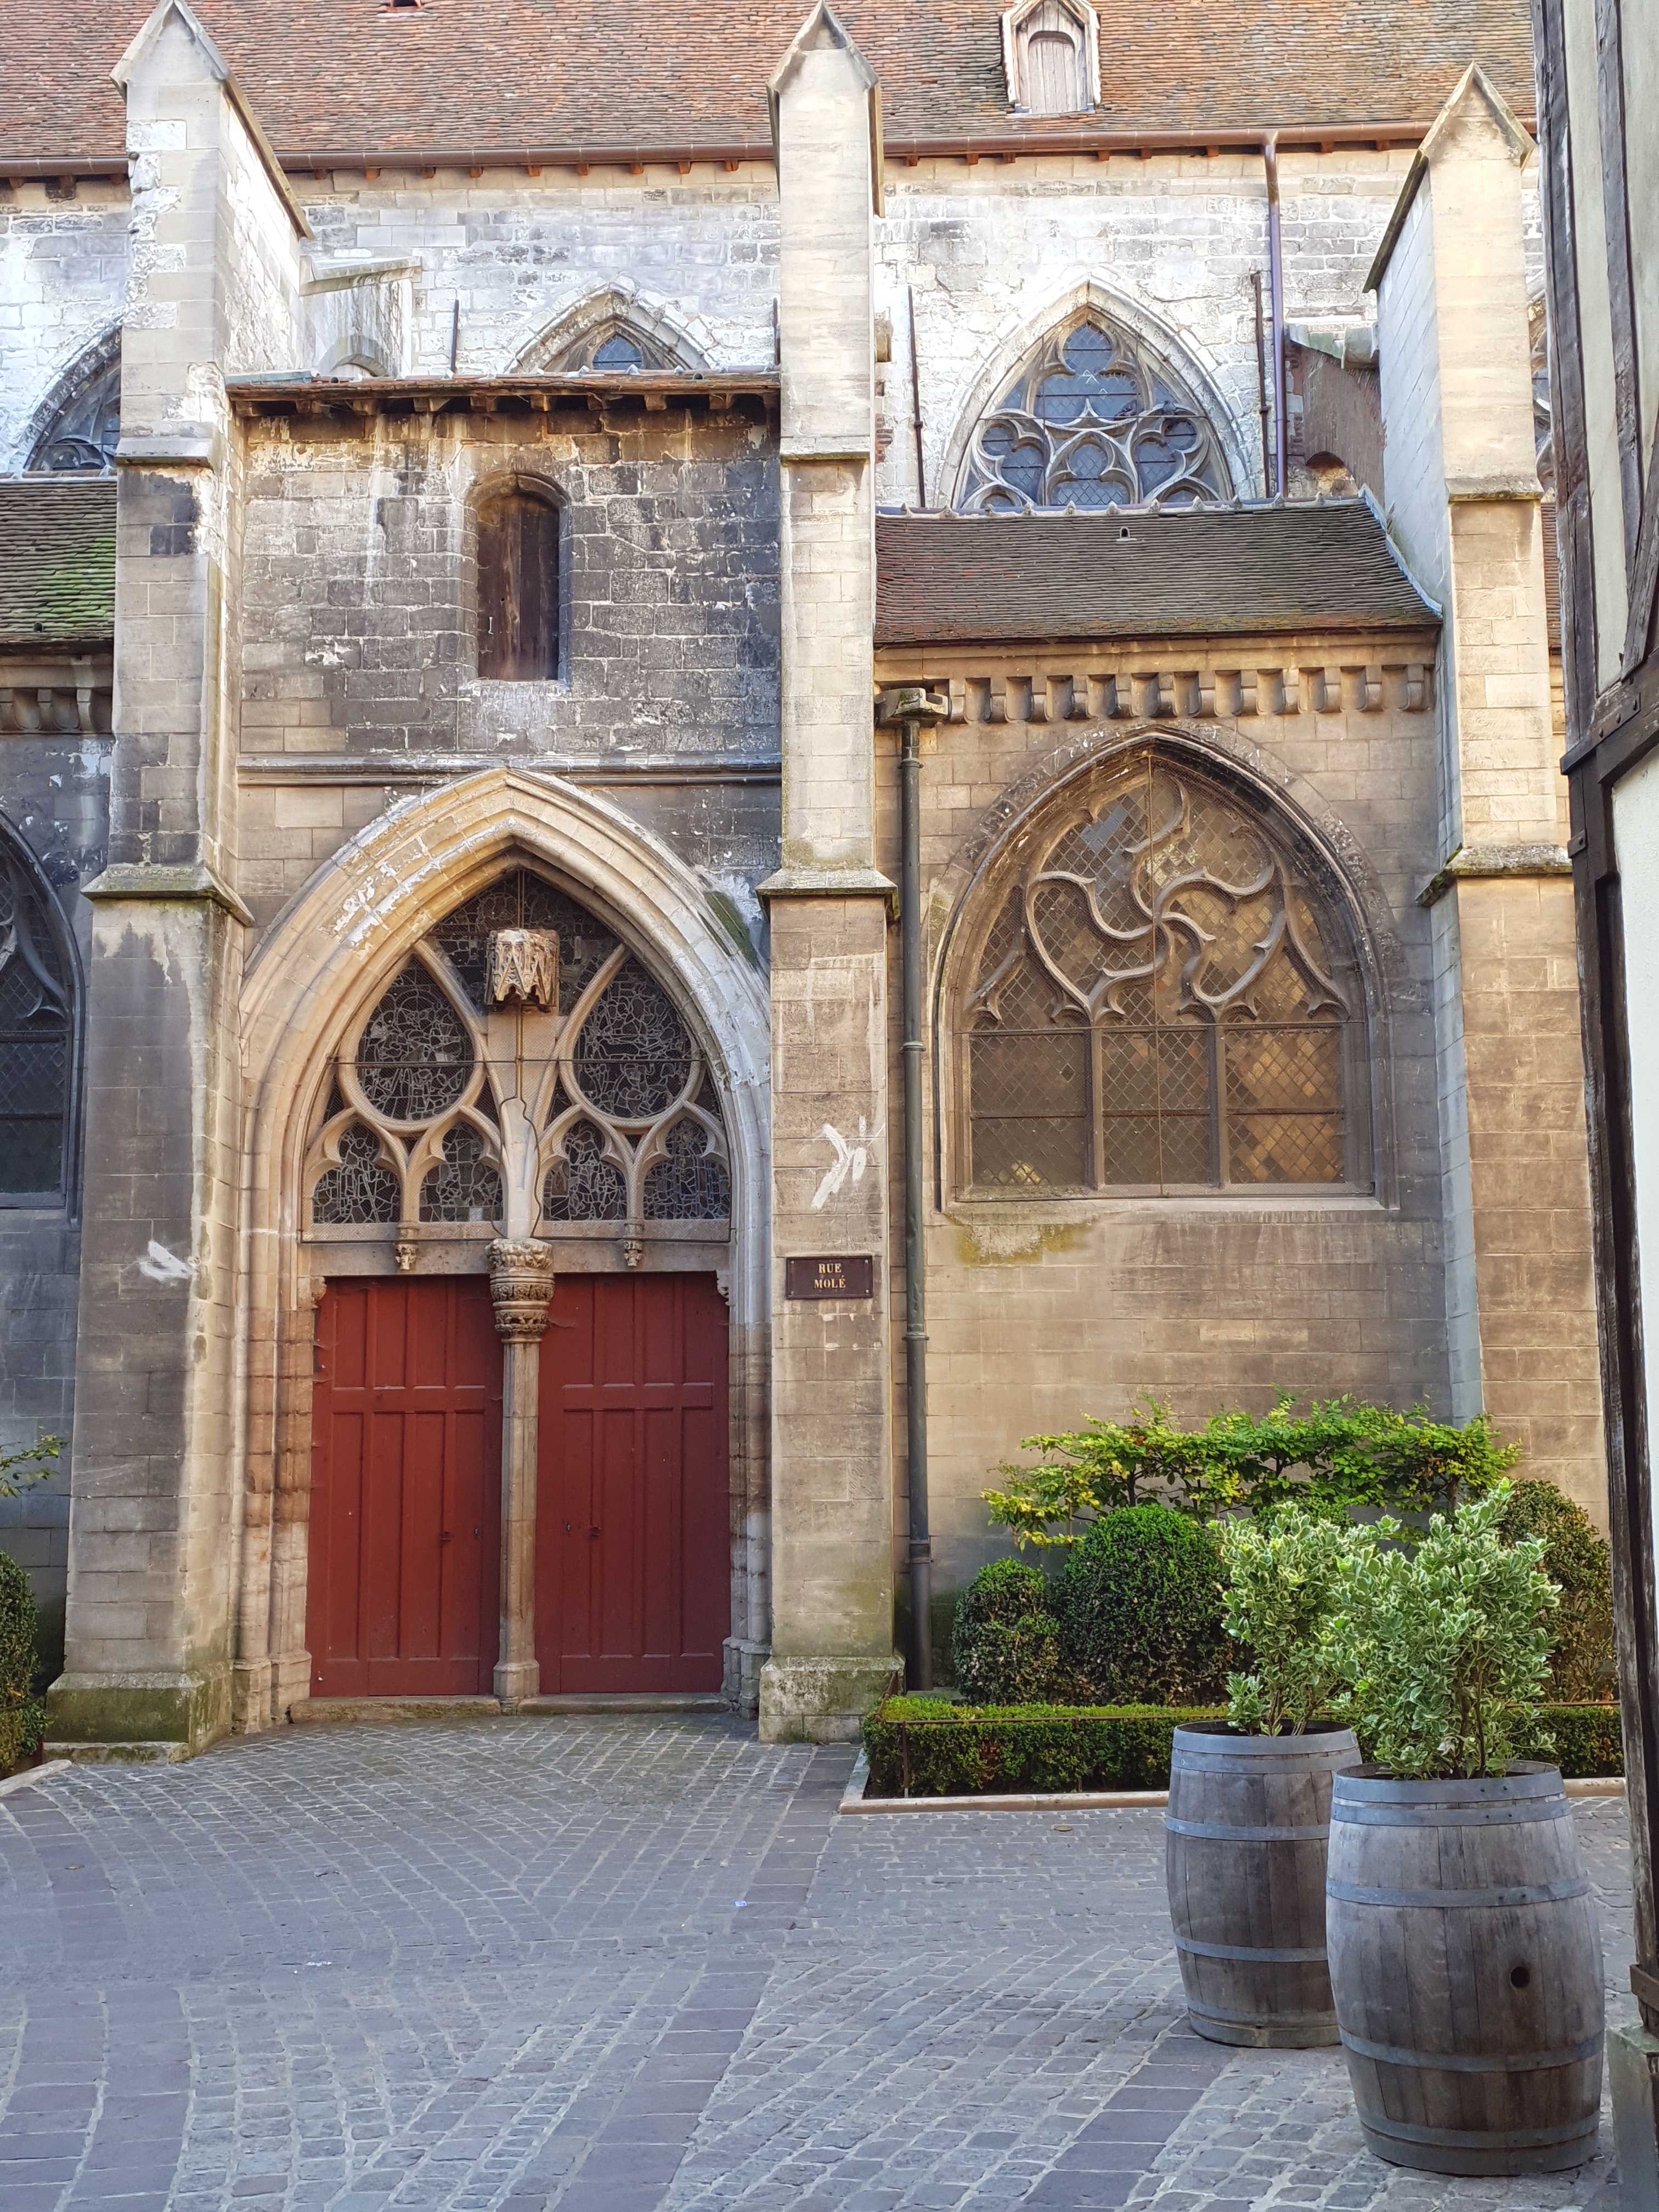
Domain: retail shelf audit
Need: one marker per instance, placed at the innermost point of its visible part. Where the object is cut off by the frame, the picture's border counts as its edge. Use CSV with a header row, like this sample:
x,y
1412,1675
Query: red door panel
x,y
405,1489
633,1513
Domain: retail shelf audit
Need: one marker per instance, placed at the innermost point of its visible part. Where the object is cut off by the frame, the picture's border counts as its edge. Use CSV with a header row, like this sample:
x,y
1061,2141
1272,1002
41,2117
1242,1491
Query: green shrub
x,y
1139,1609
1338,1454
1282,1580
1003,1641
924,1747
23,1717
1444,1645
929,1748
1578,1561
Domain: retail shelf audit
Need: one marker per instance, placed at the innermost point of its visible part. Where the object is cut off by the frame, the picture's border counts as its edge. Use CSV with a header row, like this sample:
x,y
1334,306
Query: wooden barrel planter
x,y
1466,1963
1244,1857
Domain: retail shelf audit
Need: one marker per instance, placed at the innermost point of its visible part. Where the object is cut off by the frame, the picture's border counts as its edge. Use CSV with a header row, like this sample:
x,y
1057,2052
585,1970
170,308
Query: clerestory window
x,y
36,1039
1090,422
1161,998
518,587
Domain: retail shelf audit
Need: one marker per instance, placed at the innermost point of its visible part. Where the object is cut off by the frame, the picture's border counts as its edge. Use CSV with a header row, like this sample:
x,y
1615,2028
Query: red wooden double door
x,y
632,1512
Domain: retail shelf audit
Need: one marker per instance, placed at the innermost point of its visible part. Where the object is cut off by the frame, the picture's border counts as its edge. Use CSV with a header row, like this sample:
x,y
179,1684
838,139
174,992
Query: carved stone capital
x,y
524,965
520,1286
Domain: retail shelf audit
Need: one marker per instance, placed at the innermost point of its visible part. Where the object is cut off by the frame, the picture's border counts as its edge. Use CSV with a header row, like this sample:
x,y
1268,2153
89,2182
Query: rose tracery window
x,y
615,1115
1091,423
1164,1001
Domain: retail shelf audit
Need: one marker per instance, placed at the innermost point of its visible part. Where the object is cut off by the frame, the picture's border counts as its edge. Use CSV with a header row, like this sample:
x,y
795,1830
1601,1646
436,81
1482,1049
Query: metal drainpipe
x,y
1276,286
910,709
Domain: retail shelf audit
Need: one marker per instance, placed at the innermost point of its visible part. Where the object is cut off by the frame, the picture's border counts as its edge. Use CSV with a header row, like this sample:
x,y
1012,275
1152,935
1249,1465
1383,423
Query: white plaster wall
x,y
63,278
1636,842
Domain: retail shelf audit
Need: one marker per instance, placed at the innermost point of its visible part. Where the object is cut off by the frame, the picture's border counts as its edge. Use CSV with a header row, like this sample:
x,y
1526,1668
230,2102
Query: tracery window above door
x,y
1090,422
1162,1000
36,1035
86,429
450,1107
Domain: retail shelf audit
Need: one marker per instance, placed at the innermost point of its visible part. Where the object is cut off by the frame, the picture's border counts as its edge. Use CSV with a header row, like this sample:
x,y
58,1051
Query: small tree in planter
x,y
1464,1951
1250,1798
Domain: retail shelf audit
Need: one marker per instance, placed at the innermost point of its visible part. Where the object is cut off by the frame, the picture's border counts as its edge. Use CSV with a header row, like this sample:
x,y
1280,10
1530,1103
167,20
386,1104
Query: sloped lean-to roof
x,y
57,561
1191,572
335,81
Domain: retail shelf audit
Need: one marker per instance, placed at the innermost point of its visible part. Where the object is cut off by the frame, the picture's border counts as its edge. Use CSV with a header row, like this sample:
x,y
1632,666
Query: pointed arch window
x,y
84,426
1161,997
1090,422
518,587
37,1035
600,1109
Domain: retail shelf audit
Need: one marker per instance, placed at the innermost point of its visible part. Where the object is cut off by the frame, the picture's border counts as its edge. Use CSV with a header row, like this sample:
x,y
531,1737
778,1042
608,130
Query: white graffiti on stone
x,y
164,1266
850,1162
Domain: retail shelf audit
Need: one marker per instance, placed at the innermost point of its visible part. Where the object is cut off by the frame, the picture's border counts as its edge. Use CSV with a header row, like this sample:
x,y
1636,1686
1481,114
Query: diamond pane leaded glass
x,y
1154,1006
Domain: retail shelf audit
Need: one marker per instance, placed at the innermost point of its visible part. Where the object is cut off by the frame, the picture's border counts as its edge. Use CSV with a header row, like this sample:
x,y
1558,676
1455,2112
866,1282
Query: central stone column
x,y
520,1287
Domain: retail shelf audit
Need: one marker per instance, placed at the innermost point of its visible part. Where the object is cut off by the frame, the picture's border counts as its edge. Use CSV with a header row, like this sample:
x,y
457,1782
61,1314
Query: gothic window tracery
x,y
1165,1000
36,1032
1091,422
613,346
614,1116
86,427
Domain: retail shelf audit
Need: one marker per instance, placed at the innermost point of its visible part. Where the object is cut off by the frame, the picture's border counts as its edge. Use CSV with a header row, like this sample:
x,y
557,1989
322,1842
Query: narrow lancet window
x,y
519,588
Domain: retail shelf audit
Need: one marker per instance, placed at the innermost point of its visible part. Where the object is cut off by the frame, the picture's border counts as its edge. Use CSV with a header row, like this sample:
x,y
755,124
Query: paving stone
x,y
499,1967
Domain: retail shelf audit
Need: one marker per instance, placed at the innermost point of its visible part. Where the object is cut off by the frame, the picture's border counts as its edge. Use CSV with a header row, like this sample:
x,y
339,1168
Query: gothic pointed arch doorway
x,y
525,1083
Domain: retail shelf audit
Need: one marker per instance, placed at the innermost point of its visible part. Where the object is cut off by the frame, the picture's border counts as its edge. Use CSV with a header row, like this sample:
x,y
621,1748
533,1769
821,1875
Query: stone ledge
x,y
134,879
1478,862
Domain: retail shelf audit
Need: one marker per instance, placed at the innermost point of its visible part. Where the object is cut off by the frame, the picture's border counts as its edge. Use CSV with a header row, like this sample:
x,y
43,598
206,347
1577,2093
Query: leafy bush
x,y
1444,1646
26,1464
1282,1580
1578,1561
926,1747
1004,1640
23,1717
1139,1609
1338,1454
929,1748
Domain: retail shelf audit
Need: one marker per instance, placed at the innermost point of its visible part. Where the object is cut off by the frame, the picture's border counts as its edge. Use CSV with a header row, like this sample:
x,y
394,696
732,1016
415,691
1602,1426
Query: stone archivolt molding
x,y
321,968
662,338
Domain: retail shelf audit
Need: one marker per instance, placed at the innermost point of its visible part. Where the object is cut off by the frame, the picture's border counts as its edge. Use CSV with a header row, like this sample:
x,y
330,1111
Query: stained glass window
x,y
1091,423
35,1034
361,1189
632,1057
690,1182
414,1055
1164,1001
466,1187
583,1185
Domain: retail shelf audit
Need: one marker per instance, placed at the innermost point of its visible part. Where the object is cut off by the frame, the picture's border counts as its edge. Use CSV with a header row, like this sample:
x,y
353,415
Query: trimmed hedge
x,y
1140,1607
22,1716
1003,1640
929,1748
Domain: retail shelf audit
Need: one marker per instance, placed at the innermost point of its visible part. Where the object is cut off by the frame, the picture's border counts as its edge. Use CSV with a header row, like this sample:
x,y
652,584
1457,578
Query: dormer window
x,y
1051,55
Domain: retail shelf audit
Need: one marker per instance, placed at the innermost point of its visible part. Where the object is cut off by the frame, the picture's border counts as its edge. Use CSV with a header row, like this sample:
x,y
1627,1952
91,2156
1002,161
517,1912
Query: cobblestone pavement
x,y
633,1965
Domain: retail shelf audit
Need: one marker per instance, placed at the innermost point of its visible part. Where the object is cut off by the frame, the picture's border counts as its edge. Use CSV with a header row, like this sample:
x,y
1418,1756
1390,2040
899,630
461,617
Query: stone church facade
x,y
471,608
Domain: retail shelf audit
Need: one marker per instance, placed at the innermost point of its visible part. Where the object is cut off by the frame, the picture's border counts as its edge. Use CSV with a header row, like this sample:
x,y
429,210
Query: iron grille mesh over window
x,y
613,1101
1164,1001
36,1033
1091,423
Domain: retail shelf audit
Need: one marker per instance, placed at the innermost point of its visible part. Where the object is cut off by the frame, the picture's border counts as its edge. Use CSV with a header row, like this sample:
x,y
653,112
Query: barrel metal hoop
x,y
1259,1769
1257,1956
1469,2062
1280,2020
1511,1812
1379,2123
1215,1832
1452,1901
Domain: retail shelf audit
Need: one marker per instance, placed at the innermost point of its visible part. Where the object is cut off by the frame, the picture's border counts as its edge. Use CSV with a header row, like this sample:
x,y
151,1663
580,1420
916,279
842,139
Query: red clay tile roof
x,y
57,560
339,78
1192,572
